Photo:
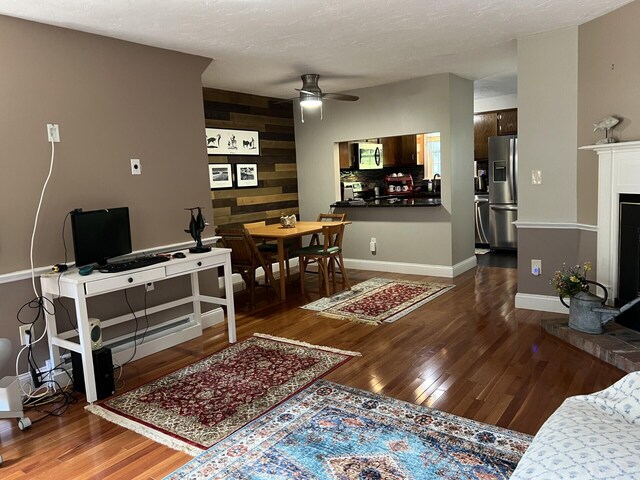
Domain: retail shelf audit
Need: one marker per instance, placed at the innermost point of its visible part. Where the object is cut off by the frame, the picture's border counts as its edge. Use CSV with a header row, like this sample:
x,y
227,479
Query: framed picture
x,y
246,175
220,175
221,141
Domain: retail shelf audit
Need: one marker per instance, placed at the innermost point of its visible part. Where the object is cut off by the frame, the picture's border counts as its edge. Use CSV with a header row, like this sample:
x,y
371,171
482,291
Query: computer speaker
x,y
95,333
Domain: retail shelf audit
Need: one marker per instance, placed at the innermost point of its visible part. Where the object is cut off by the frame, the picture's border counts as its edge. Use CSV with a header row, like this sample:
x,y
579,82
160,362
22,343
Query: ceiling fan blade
x,y
307,92
340,96
286,100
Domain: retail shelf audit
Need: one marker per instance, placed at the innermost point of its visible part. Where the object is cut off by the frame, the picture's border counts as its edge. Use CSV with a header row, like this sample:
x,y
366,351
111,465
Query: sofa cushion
x,y
593,436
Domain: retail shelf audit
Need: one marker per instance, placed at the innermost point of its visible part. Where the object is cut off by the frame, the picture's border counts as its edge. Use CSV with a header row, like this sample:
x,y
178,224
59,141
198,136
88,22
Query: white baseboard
x,y
543,303
412,268
212,317
238,283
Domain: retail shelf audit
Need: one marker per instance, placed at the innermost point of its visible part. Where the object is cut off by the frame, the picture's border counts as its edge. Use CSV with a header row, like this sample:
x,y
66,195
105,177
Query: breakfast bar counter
x,y
390,201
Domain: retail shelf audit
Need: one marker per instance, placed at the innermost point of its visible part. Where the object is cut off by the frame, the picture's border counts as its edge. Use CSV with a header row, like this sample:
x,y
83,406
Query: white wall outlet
x,y
536,177
53,132
136,166
24,338
373,245
149,287
536,267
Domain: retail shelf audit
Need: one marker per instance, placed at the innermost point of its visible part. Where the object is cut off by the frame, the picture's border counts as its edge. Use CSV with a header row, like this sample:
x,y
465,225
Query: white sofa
x,y
593,436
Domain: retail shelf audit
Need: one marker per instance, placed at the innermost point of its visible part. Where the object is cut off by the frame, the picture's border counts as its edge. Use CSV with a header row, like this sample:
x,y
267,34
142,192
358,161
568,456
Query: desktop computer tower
x,y
103,369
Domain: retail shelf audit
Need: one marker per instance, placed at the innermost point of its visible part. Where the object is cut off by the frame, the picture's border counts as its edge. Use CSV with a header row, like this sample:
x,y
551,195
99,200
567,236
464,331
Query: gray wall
x,y
114,101
547,141
609,70
444,103
567,82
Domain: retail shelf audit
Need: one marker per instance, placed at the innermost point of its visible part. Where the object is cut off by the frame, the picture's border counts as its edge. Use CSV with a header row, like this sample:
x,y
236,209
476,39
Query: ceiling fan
x,y
311,95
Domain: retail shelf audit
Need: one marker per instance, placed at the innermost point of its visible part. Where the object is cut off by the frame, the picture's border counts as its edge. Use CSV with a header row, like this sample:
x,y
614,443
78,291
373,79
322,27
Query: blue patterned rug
x,y
329,431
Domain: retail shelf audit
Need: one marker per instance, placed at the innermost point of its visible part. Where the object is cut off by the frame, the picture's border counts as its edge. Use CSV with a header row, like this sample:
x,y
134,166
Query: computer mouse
x,y
179,255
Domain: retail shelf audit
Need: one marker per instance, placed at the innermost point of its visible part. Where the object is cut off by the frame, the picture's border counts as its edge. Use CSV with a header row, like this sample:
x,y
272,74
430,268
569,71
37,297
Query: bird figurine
x,y
196,226
606,124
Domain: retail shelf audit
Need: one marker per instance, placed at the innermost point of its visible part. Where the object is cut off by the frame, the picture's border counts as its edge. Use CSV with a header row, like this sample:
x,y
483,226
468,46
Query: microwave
x,y
368,156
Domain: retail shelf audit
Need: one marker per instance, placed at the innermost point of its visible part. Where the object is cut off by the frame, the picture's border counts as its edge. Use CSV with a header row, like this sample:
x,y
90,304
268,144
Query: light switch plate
x,y
536,177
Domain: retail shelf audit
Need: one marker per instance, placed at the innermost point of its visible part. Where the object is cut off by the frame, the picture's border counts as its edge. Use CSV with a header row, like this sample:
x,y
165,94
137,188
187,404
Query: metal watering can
x,y
588,312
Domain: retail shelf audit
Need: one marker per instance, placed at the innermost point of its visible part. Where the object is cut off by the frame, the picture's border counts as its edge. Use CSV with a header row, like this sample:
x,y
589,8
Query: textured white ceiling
x,y
263,46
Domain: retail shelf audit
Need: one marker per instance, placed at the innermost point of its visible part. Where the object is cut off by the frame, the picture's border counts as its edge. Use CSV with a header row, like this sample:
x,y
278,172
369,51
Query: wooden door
x,y
485,125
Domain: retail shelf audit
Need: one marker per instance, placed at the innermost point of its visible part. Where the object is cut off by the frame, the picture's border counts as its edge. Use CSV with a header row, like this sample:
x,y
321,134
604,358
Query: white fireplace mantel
x,y
618,172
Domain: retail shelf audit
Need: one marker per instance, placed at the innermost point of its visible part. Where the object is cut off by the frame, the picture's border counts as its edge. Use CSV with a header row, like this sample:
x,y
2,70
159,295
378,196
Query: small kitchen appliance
x,y
398,184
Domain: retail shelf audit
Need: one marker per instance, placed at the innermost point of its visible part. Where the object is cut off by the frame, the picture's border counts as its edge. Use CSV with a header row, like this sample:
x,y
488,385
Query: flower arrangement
x,y
569,281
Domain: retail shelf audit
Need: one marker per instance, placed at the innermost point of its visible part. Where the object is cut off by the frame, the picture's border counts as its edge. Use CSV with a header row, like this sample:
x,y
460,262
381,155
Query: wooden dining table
x,y
277,232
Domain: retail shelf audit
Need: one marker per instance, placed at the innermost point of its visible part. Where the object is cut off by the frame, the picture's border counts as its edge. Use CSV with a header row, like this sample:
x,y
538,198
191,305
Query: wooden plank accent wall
x,y
277,190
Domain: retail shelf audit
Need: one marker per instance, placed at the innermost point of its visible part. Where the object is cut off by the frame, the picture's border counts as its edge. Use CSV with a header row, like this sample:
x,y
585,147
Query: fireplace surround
x,y
618,175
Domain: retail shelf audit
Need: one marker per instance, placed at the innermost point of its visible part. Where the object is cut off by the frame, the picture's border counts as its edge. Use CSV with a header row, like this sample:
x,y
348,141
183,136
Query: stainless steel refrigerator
x,y
503,193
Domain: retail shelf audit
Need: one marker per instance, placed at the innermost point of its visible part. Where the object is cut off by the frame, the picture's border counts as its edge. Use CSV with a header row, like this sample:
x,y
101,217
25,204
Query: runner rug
x,y
330,432
196,406
378,300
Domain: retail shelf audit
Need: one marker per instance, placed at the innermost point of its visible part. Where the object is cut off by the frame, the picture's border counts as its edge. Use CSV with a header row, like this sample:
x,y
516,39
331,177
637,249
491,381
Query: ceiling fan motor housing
x,y
310,89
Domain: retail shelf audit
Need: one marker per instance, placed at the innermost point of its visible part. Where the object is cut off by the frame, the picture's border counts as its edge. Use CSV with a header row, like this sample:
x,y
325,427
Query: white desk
x,y
77,287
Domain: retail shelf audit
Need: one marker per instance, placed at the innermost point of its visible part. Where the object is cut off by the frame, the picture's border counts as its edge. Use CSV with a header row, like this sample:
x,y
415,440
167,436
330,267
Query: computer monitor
x,y
100,234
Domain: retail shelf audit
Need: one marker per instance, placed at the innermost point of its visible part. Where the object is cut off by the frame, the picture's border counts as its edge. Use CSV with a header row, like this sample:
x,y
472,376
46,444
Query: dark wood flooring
x,y
468,352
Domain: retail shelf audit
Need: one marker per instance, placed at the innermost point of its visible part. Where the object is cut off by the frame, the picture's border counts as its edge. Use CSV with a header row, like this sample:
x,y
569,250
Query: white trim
x,y
465,265
412,268
618,173
611,146
543,303
212,317
557,225
26,274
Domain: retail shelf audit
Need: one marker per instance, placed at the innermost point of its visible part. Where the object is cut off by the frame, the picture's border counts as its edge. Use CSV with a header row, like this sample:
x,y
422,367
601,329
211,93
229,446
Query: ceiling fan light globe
x,y
310,103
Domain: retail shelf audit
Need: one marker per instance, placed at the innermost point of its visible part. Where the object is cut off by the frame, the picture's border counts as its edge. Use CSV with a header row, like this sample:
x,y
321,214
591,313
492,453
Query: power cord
x,y
38,302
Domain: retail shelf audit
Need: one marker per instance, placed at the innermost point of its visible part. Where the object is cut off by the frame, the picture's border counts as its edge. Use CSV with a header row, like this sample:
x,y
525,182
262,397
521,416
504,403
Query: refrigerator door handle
x,y
512,169
504,207
482,235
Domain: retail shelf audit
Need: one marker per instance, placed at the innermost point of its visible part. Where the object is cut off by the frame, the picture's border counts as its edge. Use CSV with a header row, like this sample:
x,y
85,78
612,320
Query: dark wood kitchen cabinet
x,y
344,153
391,150
399,150
508,122
490,124
409,150
485,125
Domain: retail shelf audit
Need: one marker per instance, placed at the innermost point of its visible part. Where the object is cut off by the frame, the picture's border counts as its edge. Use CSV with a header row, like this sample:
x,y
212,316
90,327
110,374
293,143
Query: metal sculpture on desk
x,y
196,227
606,124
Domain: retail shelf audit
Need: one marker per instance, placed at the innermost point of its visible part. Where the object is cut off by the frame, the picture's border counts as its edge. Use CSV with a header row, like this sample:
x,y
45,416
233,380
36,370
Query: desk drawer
x,y
193,265
123,280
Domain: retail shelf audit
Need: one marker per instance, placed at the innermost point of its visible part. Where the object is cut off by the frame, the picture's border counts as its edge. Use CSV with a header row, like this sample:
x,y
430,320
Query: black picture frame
x,y
246,175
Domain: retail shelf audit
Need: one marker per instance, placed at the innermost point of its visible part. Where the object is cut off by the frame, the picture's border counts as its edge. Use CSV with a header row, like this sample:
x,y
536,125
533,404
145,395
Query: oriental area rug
x,y
333,432
196,406
378,300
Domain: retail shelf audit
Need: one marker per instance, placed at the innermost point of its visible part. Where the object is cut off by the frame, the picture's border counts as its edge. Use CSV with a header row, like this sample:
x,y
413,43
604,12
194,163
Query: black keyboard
x,y
138,262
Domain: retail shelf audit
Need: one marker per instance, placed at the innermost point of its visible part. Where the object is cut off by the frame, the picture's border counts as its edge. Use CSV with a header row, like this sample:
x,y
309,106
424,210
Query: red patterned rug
x,y
378,300
196,406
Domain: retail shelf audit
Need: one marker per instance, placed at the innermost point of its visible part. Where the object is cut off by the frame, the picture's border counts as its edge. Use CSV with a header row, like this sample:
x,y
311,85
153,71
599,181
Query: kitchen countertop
x,y
391,201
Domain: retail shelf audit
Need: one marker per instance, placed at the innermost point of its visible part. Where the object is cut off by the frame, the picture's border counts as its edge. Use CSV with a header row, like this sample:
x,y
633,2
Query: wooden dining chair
x,y
245,257
328,255
326,217
270,249
315,238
